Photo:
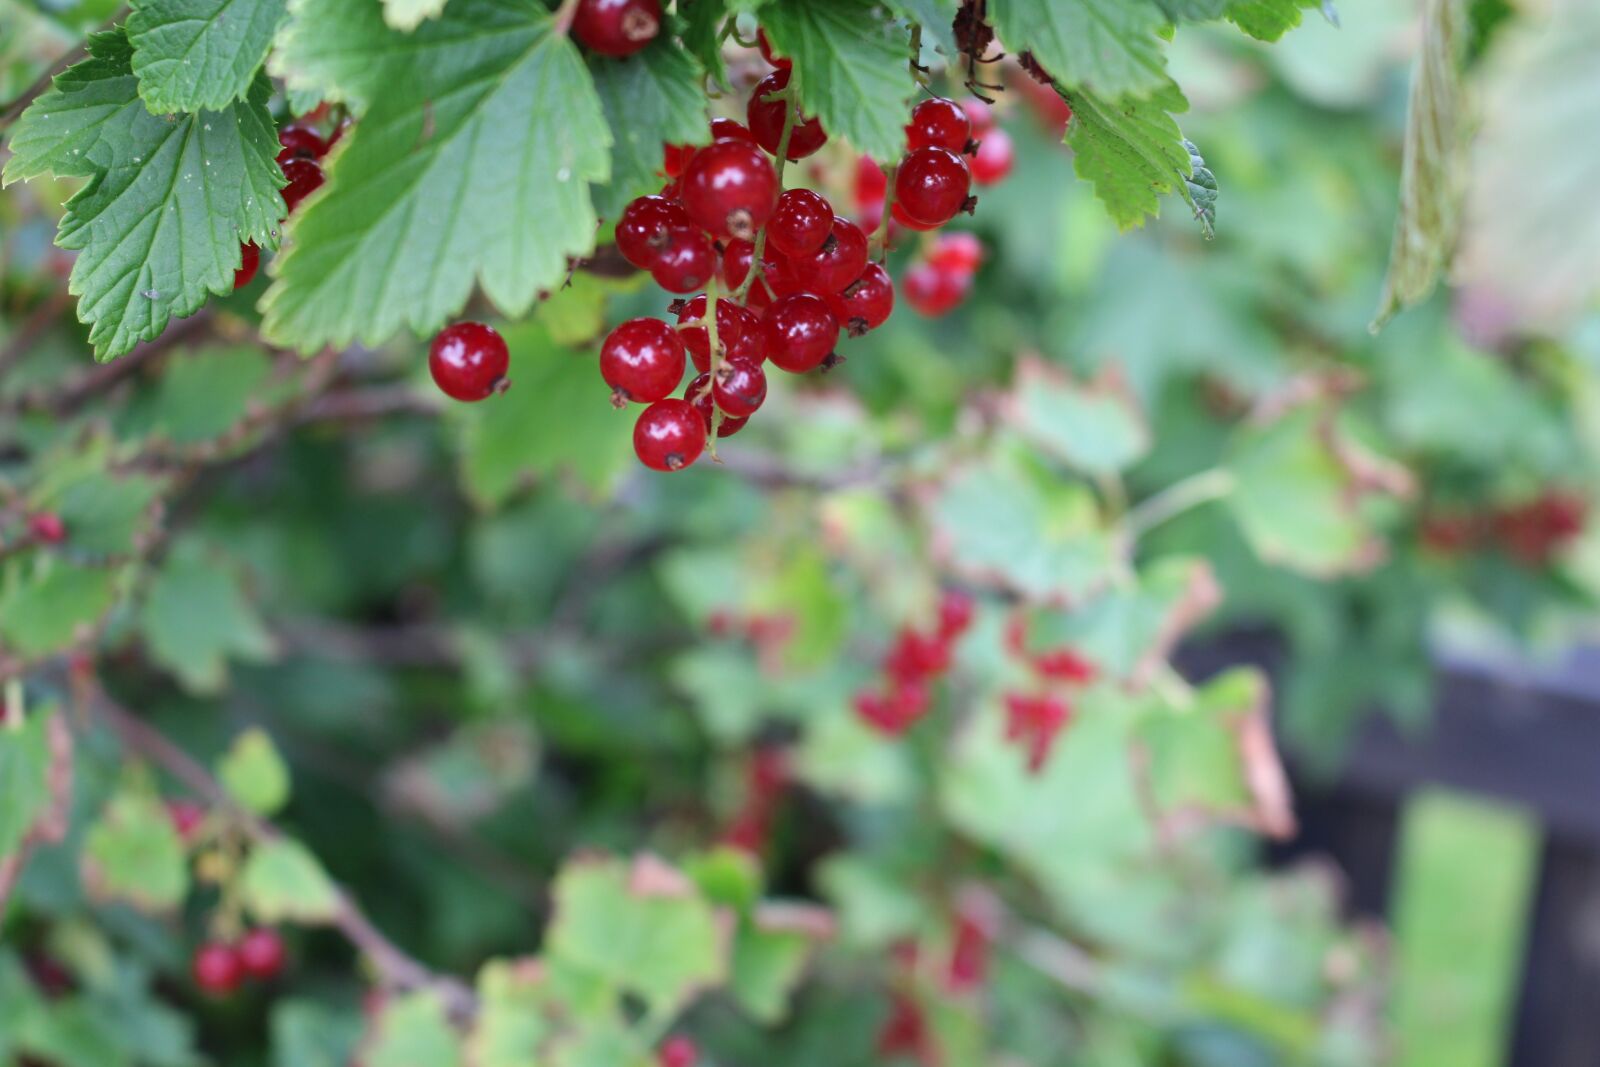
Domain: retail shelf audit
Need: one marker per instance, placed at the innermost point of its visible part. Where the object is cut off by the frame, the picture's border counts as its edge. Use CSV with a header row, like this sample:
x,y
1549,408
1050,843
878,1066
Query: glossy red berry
x,y
675,158
933,292
734,325
700,395
616,27
216,968
979,114
728,130
643,229
740,388
767,53
776,277
47,528
800,223
261,954
642,360
249,263
958,253
468,361
801,332
840,260
932,185
938,123
686,261
766,119
670,435
305,177
300,141
994,157
910,223
866,303
677,1051
186,817
730,189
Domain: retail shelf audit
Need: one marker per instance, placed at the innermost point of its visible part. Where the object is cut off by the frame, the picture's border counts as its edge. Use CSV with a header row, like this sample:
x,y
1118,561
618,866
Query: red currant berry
x,y
468,361
910,223
642,360
840,260
800,223
801,332
767,53
933,292
932,185
677,1051
669,435
958,253
741,387
699,394
917,656
300,141
305,178
249,262
642,230
1064,665
871,184
734,323
616,27
938,123
675,157
956,610
186,817
47,528
979,115
766,119
776,278
730,189
728,130
216,968
686,262
866,303
340,130
993,159
261,954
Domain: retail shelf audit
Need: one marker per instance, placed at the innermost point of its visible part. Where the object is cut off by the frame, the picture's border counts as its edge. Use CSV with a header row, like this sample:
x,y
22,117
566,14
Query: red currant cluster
x,y
46,528
1531,532
940,279
300,155
915,659
766,777
221,967
1035,720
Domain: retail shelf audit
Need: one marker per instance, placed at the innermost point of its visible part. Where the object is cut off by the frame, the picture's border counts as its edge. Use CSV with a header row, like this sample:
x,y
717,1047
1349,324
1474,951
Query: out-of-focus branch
x,y
52,825
33,327
67,397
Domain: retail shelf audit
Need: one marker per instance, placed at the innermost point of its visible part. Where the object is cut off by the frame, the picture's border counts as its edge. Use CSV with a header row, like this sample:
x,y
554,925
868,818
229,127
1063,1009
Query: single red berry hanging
x,y
699,395
938,123
642,230
686,262
740,388
730,189
261,954
958,253
468,361
866,303
979,114
800,223
840,260
801,332
994,157
300,141
933,292
670,435
766,119
616,27
932,185
249,262
677,1051
305,178
728,130
642,360
216,968
47,528
734,323
186,817
767,53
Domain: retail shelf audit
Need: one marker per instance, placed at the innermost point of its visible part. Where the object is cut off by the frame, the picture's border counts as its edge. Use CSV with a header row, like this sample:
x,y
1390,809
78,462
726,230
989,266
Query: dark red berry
x,y
261,954
776,277
728,130
616,27
933,292
800,223
249,262
766,119
642,360
741,387
305,177
642,230
186,817
994,157
840,260
686,262
216,968
767,53
932,185
700,396
730,189
670,435
958,253
866,303
468,361
910,223
677,1051
300,141
734,325
801,332
675,157
938,123
47,528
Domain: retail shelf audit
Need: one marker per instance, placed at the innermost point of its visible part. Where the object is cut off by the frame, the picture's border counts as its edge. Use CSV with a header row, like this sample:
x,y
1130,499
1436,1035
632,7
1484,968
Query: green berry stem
x,y
710,320
791,112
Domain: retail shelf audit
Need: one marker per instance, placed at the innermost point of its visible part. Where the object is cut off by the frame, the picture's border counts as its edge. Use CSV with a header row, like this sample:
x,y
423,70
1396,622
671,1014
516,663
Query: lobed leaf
x,y
1133,152
191,55
1111,48
650,99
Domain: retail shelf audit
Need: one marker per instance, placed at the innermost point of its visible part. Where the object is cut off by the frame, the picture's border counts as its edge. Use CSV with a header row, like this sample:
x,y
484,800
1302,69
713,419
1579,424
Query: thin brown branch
x,y
66,398
373,402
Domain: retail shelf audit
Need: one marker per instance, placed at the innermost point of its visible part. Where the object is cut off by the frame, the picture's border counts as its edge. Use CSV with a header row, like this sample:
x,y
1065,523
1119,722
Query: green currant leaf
x,y
1108,47
1193,10
471,161
254,774
202,395
196,616
701,33
282,881
24,768
1268,20
412,1031
769,958
510,1028
1095,428
191,55
409,14
937,19
310,1033
650,99
133,853
48,610
852,70
158,226
105,514
1133,151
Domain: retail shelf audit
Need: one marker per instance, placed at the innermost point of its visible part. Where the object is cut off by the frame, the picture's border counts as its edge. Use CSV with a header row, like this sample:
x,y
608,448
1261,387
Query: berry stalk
x,y
791,111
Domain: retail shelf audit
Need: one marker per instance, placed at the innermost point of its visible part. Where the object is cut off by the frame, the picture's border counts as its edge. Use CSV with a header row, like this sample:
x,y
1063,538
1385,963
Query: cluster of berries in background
x,y
221,967
1531,532
301,149
915,660
1034,719
766,779
975,925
